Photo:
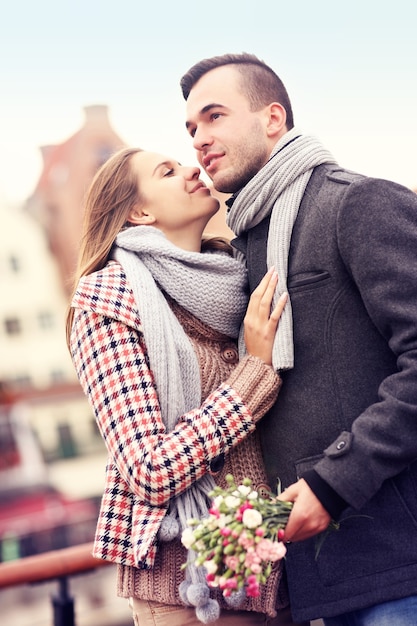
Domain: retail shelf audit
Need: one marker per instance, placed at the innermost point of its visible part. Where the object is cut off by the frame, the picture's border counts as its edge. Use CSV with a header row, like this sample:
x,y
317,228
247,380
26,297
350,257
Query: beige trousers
x,y
146,613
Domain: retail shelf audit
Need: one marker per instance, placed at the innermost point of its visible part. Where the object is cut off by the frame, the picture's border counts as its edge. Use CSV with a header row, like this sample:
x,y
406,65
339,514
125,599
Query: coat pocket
x,y
307,280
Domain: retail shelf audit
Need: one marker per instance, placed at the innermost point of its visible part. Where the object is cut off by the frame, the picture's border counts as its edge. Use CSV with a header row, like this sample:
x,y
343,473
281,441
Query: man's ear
x,y
137,217
277,120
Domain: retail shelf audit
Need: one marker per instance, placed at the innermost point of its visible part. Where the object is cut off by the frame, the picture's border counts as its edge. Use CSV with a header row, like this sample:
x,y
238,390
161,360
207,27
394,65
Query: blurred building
x,y
68,168
35,516
51,454
32,309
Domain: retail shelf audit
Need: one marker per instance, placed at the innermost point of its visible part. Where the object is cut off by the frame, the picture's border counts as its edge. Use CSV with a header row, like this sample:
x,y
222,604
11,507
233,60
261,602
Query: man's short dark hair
x,y
259,82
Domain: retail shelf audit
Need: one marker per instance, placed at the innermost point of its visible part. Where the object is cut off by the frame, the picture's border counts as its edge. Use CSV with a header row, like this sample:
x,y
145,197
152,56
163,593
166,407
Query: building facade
x,y
68,168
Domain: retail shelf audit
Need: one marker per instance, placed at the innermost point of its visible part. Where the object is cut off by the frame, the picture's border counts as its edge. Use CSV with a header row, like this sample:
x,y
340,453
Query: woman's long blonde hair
x,y
113,194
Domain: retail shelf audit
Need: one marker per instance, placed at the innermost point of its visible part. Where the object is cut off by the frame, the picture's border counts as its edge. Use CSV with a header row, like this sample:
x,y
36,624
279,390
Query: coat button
x,y
340,445
230,355
264,491
216,465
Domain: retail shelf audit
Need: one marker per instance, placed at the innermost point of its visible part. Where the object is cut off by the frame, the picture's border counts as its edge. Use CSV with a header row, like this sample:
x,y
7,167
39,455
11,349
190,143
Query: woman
x,y
152,331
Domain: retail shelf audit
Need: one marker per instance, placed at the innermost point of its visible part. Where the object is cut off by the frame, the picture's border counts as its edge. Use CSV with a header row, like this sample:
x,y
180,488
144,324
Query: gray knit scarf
x,y
213,287
278,189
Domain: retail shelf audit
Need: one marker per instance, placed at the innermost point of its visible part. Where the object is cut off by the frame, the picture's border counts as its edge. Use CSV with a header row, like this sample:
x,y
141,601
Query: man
x,y
342,437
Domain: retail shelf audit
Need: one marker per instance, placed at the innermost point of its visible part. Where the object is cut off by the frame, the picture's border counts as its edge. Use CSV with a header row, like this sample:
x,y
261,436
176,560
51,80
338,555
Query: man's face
x,y
231,140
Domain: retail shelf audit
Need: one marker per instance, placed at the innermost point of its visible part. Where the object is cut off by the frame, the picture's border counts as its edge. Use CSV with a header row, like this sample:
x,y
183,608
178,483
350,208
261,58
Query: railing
x,y
56,565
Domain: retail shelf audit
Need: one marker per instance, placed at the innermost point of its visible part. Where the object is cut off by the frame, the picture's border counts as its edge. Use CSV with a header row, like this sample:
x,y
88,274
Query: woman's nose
x,y
192,172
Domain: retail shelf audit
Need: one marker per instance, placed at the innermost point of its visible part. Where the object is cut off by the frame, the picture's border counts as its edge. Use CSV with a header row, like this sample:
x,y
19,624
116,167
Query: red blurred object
x,y
40,511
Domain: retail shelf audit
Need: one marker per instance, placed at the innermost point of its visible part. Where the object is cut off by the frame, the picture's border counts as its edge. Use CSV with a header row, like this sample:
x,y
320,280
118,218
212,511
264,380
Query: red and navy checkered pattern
x,y
147,466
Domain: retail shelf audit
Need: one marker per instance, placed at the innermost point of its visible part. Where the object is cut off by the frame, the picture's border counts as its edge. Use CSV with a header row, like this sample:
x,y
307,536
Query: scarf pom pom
x,y
169,529
183,592
209,612
198,594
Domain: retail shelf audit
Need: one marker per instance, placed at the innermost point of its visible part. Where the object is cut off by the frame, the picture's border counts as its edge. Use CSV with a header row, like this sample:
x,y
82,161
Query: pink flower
x,y
252,589
253,561
232,562
270,550
245,540
278,551
231,583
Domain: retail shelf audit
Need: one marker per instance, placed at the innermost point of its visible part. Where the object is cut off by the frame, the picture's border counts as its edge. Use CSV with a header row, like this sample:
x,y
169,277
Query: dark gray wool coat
x,y
348,409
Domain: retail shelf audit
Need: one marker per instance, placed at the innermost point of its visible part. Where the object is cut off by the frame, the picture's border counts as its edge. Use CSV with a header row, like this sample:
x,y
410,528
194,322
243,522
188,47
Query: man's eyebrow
x,y
206,109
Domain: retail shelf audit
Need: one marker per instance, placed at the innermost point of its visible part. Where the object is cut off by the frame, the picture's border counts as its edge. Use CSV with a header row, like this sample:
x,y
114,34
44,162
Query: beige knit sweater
x,y
258,386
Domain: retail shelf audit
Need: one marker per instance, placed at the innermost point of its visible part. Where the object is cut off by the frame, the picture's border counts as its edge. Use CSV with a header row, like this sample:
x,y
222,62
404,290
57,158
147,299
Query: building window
x,y
46,320
9,453
15,264
103,152
21,382
67,444
12,326
57,376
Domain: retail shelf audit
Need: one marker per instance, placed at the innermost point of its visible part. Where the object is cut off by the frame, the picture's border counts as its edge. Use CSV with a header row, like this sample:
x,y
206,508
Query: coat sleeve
x,y
377,238
112,365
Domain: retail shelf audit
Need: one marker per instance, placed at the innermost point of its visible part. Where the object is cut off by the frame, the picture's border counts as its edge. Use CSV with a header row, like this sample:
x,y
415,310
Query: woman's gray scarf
x,y
211,286
278,189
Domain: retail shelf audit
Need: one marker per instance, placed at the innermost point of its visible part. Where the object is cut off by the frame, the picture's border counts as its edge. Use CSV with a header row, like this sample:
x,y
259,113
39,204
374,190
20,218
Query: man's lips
x,y
210,160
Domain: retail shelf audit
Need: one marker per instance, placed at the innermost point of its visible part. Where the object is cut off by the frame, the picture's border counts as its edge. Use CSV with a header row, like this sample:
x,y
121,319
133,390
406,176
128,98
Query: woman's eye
x,y
169,172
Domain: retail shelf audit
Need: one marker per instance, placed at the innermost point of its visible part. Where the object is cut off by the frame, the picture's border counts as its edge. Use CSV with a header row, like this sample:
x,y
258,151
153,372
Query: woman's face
x,y
175,200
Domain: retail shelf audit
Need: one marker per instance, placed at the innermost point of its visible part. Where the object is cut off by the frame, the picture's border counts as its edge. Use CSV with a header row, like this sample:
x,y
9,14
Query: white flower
x,y
223,520
253,495
217,501
244,490
187,538
251,518
199,546
211,566
211,522
232,502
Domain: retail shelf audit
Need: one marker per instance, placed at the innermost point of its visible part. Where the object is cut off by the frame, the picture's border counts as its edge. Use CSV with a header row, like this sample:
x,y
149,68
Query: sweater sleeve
x,y
257,384
112,365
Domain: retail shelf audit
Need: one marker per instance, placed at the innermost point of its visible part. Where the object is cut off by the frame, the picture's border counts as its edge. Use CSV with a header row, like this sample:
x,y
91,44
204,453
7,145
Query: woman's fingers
x,y
260,321
263,294
262,297
279,307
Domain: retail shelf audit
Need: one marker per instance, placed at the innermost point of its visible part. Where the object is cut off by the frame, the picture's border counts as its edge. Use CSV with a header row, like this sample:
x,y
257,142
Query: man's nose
x,y
201,139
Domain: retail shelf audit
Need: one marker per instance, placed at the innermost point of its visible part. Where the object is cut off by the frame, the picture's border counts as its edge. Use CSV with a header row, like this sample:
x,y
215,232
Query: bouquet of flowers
x,y
240,540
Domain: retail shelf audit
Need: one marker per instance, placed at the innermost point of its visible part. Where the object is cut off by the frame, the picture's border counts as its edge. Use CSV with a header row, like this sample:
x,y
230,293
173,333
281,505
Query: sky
x,y
350,70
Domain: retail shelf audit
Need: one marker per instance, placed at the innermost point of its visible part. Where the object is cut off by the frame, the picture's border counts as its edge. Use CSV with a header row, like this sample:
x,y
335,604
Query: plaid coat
x,y
146,465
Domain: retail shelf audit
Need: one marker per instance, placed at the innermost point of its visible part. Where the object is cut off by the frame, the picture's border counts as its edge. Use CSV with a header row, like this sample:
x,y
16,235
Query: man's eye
x,y
215,116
